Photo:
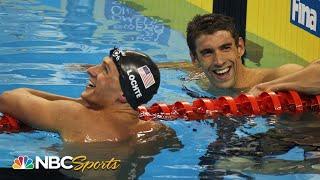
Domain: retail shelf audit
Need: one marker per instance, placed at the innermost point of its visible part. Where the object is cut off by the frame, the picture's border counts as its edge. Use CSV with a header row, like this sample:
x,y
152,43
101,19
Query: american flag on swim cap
x,y
146,76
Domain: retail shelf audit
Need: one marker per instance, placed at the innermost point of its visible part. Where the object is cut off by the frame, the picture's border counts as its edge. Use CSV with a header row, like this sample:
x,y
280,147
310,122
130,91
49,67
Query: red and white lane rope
x,y
243,105
204,108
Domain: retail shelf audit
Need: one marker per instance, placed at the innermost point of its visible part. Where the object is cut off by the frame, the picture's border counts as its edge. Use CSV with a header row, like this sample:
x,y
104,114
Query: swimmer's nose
x,y
93,71
218,60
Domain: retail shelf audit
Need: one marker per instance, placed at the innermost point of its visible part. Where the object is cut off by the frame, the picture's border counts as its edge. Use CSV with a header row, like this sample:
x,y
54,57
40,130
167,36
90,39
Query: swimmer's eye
x,y
226,47
106,69
206,52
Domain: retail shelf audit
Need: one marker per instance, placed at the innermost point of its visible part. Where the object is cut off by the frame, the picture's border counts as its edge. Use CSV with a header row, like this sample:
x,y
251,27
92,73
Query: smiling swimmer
x,y
106,110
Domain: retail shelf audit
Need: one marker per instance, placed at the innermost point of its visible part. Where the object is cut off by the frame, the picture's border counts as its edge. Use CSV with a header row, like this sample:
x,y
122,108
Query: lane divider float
x,y
266,103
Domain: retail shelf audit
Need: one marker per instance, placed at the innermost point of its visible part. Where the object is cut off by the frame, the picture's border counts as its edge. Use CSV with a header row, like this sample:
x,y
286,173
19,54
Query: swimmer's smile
x,y
222,74
91,84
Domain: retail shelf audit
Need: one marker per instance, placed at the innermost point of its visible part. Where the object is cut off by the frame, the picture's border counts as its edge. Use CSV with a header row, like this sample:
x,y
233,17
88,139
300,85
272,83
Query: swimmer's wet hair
x,y
208,24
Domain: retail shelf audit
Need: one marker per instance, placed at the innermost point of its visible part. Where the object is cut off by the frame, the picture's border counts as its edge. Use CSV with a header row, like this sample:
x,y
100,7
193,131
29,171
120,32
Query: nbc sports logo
x,y
66,162
22,162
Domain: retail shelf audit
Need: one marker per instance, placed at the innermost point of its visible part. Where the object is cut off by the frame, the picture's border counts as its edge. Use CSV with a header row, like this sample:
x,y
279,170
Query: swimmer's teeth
x,y
90,84
221,71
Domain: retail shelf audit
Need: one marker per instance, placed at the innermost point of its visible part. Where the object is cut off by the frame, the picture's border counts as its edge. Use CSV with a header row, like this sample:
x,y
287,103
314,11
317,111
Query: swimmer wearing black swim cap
x,y
106,109
139,76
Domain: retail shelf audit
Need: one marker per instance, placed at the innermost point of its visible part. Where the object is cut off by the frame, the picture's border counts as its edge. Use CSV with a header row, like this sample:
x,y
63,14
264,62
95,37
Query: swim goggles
x,y
116,54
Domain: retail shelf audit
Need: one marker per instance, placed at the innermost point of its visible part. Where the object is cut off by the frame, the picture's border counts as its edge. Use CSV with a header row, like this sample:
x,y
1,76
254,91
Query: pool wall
x,y
272,38
272,20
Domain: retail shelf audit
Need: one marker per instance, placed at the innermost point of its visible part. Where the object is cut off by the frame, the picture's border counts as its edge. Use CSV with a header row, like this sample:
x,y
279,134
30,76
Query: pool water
x,y
42,44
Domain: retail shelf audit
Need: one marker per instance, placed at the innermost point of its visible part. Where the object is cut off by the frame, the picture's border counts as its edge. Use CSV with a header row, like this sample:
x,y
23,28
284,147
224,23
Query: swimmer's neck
x,y
249,77
97,107
118,111
114,123
246,79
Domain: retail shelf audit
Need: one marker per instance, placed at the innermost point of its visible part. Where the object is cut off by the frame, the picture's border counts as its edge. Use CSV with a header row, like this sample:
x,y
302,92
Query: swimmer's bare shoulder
x,y
281,71
87,125
157,132
68,112
162,136
75,126
71,119
147,127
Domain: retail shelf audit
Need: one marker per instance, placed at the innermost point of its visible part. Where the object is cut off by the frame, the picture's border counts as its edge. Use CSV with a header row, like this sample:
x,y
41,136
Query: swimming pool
x,y
42,40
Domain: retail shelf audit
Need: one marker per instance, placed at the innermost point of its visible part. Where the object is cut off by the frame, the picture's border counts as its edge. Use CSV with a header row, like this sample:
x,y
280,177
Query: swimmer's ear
x,y
122,99
194,59
241,47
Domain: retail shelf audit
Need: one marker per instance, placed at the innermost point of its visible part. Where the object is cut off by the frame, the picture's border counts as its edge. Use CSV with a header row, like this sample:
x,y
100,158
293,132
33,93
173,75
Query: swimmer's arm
x,y
47,96
282,71
305,80
287,69
33,110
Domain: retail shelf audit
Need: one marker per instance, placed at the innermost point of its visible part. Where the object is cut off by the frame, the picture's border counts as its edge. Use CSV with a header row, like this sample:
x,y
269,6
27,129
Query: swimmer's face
x,y
103,87
219,57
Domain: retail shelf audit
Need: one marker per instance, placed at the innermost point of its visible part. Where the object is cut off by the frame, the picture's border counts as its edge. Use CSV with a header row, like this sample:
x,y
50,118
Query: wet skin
x,y
101,114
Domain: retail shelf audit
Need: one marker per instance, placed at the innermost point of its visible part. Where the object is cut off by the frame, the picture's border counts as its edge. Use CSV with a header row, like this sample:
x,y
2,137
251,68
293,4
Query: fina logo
x,y
304,14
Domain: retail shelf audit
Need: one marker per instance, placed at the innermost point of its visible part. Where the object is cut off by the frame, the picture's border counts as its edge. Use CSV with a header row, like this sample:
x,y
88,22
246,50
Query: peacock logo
x,y
22,162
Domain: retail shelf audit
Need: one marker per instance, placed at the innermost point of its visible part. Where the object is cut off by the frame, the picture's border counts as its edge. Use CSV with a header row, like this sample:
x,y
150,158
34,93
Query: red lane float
x,y
243,105
10,124
204,108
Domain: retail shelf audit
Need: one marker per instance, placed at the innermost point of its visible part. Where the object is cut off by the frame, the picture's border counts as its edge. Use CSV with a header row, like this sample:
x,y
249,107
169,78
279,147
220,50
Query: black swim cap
x,y
139,76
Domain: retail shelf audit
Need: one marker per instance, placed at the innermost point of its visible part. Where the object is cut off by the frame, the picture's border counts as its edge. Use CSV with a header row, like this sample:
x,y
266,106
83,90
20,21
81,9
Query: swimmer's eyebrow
x,y
225,45
206,50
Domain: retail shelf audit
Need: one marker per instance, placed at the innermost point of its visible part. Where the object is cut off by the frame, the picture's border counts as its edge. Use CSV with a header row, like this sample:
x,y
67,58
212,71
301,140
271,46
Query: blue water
x,y
41,43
